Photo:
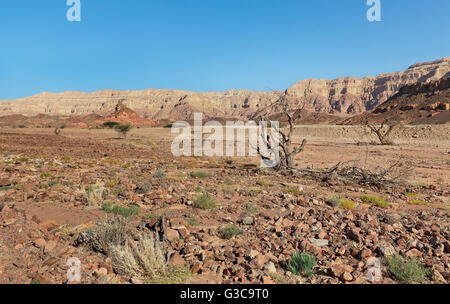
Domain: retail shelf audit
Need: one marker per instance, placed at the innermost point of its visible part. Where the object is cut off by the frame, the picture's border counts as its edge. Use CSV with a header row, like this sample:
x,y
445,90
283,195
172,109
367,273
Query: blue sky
x,y
210,45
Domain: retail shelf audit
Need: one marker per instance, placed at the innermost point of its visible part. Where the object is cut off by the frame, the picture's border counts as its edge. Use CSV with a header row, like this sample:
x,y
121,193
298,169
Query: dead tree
x,y
381,131
286,152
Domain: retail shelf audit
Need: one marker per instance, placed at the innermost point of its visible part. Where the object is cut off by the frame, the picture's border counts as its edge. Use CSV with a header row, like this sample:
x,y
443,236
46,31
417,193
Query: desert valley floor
x,y
222,220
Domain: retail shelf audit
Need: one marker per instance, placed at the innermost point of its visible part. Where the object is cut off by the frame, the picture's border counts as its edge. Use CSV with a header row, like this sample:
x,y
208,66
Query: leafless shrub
x,y
285,157
381,131
343,173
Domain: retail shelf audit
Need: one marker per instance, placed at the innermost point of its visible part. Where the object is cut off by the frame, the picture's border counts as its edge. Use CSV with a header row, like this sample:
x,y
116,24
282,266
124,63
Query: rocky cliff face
x,y
416,103
340,96
351,95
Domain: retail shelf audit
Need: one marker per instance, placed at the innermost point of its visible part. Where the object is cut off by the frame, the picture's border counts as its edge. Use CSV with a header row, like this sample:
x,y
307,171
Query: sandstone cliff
x,y
348,95
353,95
416,103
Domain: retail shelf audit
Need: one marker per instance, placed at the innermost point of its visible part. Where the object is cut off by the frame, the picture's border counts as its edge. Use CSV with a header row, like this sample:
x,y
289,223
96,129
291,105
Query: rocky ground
x,y
55,191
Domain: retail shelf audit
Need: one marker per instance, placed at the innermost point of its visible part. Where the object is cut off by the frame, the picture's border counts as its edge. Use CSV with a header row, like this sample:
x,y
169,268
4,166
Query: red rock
x,y
267,280
176,259
40,243
50,246
414,253
261,260
172,234
102,271
5,182
365,253
447,246
49,225
196,268
346,277
183,231
354,235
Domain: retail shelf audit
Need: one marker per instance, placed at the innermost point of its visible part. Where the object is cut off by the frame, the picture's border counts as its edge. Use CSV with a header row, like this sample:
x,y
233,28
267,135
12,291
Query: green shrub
x,y
411,194
334,202
110,124
228,182
45,175
160,173
123,129
418,202
264,183
252,208
200,174
22,159
53,183
229,231
5,188
407,270
123,211
347,204
373,200
292,191
193,221
205,201
302,264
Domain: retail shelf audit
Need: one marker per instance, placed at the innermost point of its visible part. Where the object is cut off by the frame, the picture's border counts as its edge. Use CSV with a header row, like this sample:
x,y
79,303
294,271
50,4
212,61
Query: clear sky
x,y
210,45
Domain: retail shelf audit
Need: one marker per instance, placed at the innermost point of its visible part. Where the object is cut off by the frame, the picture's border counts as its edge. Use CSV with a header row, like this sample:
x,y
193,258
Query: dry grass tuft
x,y
144,259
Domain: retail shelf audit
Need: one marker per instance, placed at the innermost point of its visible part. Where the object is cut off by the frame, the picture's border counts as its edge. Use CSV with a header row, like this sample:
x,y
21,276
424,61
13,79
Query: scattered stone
x,y
172,234
269,267
39,243
319,242
248,220
386,249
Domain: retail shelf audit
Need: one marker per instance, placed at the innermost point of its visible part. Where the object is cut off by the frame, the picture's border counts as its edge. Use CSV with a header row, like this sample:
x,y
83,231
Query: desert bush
x,y
418,202
228,182
198,189
265,183
347,204
407,270
374,200
116,190
110,124
411,194
145,259
200,174
160,173
52,183
192,221
118,210
112,231
230,231
302,264
6,188
177,275
123,129
252,208
334,202
292,191
205,201
94,195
